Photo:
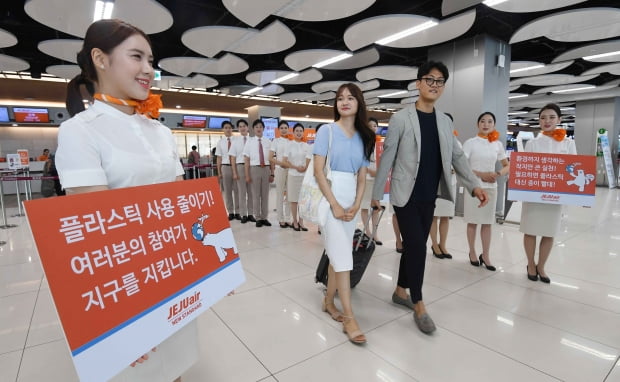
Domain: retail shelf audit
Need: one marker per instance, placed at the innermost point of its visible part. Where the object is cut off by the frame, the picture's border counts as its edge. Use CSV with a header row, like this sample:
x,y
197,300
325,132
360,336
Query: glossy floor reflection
x,y
492,326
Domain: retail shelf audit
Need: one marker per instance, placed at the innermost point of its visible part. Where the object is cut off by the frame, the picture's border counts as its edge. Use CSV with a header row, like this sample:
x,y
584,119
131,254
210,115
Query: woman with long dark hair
x,y
349,143
115,144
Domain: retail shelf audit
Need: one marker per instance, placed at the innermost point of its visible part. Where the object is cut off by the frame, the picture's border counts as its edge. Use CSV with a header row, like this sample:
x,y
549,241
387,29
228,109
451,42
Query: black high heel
x,y
475,263
446,255
531,277
544,279
489,267
437,255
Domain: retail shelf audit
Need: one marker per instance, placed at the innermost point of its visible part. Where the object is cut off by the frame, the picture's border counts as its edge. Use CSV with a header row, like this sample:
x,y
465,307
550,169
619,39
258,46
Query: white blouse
x,y
483,155
280,147
103,146
545,144
297,153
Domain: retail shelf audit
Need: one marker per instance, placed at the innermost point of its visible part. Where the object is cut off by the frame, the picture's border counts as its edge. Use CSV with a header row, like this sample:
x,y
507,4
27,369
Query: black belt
x,y
225,164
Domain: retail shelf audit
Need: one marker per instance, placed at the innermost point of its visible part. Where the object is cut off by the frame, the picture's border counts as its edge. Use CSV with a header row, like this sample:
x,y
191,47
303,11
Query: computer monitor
x,y
31,115
195,121
216,122
4,114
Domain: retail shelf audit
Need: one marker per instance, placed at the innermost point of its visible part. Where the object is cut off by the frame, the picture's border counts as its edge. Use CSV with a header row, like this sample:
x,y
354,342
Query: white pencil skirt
x,y
540,219
338,234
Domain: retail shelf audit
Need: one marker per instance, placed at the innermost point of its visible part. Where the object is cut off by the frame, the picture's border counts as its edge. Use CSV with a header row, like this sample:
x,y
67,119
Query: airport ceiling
x,y
231,46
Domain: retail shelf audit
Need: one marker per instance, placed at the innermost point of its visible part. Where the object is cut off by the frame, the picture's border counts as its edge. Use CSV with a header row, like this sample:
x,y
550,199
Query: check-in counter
x,y
36,168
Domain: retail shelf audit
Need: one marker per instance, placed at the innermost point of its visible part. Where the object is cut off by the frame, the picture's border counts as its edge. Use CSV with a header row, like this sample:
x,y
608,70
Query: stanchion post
x,y
19,201
4,224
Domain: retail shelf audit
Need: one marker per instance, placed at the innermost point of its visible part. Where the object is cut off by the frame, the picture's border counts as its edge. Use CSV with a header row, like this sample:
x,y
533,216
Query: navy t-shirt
x,y
429,169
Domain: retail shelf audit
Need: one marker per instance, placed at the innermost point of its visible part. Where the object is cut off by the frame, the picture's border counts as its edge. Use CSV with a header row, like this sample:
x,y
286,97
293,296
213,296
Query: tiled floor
x,y
492,326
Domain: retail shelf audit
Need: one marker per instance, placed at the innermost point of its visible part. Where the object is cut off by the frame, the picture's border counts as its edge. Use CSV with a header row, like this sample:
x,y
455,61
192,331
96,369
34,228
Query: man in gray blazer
x,y
419,149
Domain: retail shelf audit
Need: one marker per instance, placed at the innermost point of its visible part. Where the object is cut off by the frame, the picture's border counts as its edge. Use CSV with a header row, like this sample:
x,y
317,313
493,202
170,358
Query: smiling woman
x,y
96,146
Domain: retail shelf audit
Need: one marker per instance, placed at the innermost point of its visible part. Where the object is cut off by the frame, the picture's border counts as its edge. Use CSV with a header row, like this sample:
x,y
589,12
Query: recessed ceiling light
x,y
103,9
284,78
490,3
406,32
595,56
178,106
393,94
332,60
526,68
253,90
574,89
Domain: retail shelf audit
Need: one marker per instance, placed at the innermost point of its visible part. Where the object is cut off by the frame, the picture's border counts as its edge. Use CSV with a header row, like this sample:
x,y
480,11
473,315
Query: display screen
x,y
196,121
382,131
28,114
291,124
271,124
4,114
216,122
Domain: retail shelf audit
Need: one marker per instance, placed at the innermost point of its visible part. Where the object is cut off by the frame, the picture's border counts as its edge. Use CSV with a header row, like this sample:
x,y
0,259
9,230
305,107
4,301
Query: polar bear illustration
x,y
581,179
221,241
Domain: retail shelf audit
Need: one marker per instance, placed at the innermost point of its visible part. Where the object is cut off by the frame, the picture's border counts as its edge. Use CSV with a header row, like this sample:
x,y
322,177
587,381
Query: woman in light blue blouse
x,y
352,143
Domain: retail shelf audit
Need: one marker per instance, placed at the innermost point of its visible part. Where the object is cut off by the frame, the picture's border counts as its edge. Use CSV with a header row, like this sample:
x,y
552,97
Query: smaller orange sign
x,y
23,157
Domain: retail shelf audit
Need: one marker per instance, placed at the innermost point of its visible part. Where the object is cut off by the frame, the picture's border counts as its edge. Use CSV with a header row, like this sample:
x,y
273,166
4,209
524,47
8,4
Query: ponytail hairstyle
x,y
103,34
361,118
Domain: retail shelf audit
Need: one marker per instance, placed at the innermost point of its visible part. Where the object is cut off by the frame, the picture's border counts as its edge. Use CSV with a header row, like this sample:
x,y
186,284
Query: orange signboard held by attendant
x,y
552,178
129,267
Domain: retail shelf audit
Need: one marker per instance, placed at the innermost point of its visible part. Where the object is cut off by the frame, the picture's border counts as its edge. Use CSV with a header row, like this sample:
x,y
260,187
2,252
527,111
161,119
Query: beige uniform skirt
x,y
540,219
484,215
293,186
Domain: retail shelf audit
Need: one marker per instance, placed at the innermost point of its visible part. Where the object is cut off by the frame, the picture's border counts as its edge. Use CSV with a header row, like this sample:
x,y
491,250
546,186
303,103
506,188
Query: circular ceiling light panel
x,y
63,49
601,52
388,106
184,66
572,26
322,87
388,72
7,39
533,68
570,89
12,64
199,81
390,93
261,78
210,40
375,29
330,59
64,71
255,11
75,16
551,80
525,6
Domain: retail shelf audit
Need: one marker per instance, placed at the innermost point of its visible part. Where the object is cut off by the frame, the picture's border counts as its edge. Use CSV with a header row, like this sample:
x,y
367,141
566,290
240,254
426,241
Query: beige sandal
x,y
353,332
335,314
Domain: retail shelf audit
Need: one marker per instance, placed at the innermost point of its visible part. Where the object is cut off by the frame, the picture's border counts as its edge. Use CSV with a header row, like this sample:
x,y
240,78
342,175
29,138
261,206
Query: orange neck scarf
x,y
557,134
149,107
492,136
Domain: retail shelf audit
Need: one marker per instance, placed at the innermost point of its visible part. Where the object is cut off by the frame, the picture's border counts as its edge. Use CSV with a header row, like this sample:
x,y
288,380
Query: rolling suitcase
x,y
363,248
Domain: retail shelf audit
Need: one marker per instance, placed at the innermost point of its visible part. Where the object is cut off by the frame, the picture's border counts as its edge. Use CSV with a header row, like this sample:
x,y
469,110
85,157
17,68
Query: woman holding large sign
x,y
538,219
116,144
483,152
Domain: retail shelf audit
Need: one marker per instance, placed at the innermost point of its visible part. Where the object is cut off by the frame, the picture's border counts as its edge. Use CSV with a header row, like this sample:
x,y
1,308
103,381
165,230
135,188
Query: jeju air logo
x,y
220,241
182,309
581,179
